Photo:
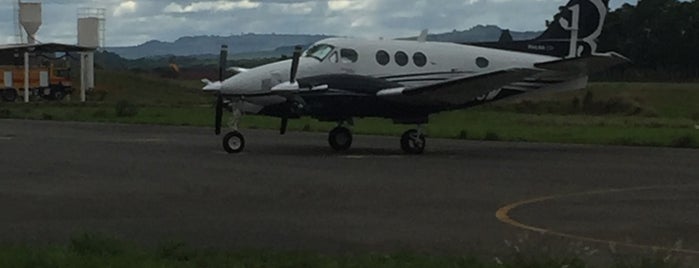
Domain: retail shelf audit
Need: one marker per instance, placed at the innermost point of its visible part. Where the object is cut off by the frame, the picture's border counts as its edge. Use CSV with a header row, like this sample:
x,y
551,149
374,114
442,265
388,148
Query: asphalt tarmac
x,y
152,184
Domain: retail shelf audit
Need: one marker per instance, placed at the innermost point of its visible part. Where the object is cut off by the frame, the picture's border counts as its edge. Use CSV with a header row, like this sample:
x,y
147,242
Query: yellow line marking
x,y
503,215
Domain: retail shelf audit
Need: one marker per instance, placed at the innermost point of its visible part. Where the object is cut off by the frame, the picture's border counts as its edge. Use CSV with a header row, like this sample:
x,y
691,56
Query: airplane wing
x,y
458,91
335,84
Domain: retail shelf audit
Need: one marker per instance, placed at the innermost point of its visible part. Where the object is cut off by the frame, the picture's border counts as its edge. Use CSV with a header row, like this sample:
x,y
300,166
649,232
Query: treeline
x,y
661,37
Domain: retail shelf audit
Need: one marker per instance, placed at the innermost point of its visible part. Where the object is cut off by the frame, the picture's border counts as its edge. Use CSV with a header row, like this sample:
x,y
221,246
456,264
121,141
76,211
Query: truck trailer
x,y
47,82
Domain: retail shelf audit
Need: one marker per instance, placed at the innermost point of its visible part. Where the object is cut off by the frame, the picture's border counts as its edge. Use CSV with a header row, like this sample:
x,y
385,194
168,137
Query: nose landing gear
x,y
234,141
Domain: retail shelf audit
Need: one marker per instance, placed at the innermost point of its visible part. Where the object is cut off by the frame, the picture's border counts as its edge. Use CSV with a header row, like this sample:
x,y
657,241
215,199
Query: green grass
x,y
643,114
477,124
102,251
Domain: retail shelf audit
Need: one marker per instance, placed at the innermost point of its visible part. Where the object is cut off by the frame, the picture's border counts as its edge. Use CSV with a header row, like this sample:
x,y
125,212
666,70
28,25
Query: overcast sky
x,y
133,22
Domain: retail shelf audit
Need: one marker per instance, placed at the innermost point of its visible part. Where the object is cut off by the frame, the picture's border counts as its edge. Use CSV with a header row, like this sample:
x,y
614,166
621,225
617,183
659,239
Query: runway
x,y
153,183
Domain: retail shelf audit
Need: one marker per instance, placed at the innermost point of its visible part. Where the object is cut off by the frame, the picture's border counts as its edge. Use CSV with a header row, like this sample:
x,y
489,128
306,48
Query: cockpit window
x,y
333,57
320,52
349,55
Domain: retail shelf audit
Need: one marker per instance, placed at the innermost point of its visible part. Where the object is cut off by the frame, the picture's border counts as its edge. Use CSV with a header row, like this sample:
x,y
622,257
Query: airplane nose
x,y
262,79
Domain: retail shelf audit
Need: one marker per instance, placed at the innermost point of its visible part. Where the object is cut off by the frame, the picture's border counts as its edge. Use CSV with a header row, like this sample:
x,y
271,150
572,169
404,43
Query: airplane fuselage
x,y
406,64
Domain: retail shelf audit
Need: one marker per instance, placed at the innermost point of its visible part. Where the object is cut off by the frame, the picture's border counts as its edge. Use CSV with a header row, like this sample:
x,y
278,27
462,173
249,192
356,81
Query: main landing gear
x,y
340,139
413,141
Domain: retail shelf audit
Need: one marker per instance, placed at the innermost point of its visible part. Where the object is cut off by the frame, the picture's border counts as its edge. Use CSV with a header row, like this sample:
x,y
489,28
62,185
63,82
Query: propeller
x,y
285,123
292,81
219,98
295,64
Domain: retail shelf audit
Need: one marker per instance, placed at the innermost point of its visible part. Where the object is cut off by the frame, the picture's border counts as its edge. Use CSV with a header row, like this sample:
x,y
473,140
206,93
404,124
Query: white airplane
x,y
339,79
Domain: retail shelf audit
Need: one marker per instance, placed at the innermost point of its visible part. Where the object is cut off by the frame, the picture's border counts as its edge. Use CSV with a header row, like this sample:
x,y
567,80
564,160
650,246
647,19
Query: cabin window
x,y
348,55
482,62
319,52
420,59
382,57
401,58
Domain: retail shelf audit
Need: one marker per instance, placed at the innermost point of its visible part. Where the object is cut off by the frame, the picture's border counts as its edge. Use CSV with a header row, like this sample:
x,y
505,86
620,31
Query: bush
x,y
626,141
90,244
685,141
588,100
491,136
125,108
575,105
45,116
177,251
463,135
100,113
100,94
5,113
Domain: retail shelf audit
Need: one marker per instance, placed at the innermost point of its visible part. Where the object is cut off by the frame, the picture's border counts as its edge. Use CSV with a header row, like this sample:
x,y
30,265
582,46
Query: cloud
x,y
209,6
124,8
131,22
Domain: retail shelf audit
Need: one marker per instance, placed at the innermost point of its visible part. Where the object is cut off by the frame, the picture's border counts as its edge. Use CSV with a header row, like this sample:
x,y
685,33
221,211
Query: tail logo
x,y
583,34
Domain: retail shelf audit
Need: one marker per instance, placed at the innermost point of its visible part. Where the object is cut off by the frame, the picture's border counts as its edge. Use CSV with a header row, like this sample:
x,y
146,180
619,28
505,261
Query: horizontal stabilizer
x,y
586,65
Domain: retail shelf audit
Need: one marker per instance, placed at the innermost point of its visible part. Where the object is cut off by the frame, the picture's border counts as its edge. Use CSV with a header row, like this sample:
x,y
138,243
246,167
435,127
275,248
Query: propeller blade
x,y
285,124
219,97
222,62
219,113
295,63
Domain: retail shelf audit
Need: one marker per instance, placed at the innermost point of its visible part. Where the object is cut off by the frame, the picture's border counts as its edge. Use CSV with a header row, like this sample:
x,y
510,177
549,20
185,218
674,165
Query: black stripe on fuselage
x,y
543,81
419,80
421,74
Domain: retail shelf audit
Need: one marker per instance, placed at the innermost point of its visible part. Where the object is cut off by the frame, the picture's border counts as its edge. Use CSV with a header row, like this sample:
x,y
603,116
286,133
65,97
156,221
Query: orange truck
x,y
44,81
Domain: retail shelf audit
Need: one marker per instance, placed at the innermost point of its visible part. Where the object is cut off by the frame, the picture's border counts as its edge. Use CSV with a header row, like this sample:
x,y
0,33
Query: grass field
x,y
639,114
101,251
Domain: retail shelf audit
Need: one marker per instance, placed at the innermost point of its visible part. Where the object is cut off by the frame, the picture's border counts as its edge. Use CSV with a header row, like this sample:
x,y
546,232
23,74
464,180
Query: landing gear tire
x,y
340,139
234,142
413,142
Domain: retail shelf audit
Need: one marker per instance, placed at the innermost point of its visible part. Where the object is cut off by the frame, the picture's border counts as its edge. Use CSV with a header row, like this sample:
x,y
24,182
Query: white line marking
x,y
371,156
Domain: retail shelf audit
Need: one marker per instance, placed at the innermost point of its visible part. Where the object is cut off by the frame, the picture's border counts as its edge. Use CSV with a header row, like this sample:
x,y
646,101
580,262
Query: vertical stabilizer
x,y
572,33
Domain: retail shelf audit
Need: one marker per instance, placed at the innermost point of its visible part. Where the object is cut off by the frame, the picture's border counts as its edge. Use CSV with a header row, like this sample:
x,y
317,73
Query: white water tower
x,y
90,34
30,18
91,27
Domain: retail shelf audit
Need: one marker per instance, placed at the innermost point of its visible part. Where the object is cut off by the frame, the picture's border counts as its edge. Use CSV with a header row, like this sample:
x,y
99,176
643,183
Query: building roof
x,y
48,47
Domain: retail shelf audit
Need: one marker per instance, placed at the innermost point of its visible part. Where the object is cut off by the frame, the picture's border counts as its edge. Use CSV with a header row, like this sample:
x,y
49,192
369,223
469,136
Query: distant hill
x,y
480,33
273,45
210,45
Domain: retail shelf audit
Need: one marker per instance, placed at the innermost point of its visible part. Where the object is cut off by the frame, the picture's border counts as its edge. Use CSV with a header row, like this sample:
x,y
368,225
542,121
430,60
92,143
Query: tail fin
x,y
572,33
